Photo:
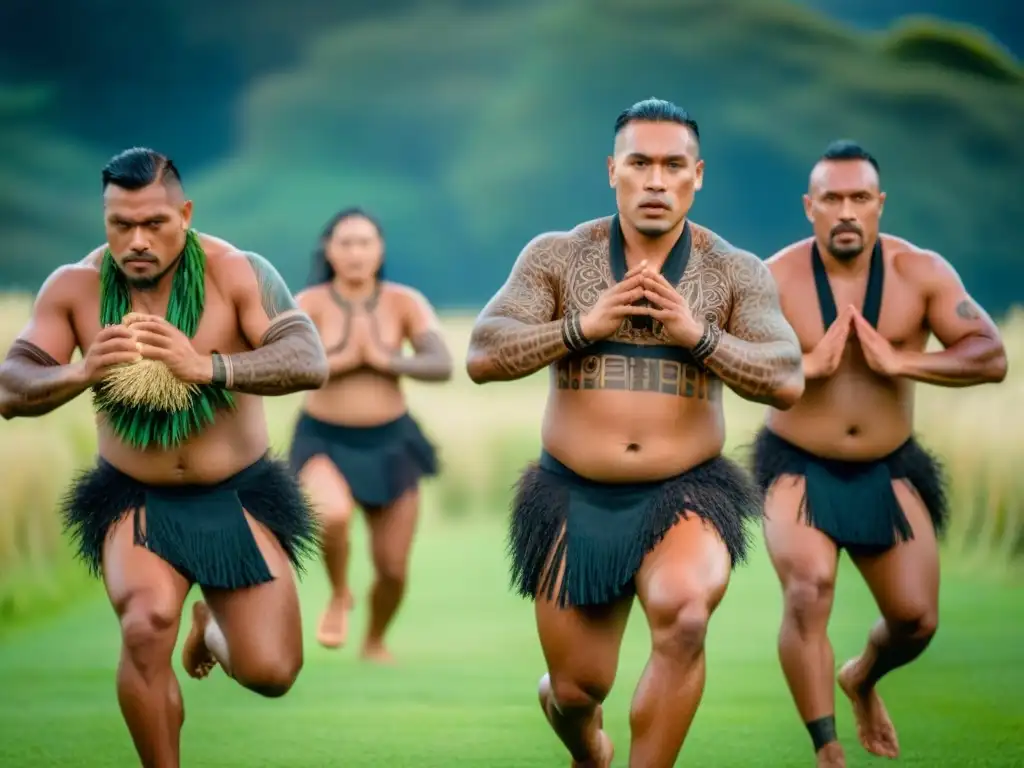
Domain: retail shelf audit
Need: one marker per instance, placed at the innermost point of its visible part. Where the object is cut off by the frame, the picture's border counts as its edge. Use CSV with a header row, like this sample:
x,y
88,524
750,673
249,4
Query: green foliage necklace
x,y
134,397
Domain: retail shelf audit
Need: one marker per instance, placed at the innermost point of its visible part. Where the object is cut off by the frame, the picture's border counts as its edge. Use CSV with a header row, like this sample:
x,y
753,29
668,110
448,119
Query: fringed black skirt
x,y
198,529
379,463
601,532
852,502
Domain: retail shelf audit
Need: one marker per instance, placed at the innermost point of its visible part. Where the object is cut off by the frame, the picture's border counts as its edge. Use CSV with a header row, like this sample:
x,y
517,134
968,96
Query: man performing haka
x,y
181,334
841,468
644,315
355,441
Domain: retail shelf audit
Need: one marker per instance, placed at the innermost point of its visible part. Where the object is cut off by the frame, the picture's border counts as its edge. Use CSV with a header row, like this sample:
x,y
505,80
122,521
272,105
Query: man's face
x,y
844,206
655,173
355,250
146,230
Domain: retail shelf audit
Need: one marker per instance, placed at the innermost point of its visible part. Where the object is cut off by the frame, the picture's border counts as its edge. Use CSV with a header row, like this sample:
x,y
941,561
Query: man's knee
x,y
334,520
808,599
393,571
271,676
915,622
679,622
577,693
149,629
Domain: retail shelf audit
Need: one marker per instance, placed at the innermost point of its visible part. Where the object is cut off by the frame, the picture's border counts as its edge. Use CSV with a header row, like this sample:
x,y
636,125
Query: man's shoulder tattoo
x,y
274,294
968,310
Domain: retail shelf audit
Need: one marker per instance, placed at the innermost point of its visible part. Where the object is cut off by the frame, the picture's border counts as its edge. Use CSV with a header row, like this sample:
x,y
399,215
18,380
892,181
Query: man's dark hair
x,y
321,270
139,167
656,111
844,149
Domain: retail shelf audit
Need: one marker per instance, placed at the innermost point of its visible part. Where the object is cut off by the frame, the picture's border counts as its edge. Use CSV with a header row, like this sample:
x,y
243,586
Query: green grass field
x,y
464,690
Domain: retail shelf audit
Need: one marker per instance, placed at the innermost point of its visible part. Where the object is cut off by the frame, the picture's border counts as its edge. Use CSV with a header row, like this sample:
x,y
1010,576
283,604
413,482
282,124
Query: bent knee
x,y
808,597
270,677
148,624
578,694
679,627
920,623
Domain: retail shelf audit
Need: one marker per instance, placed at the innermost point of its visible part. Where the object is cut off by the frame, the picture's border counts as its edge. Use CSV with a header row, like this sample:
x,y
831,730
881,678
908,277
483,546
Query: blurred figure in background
x,y
842,468
355,442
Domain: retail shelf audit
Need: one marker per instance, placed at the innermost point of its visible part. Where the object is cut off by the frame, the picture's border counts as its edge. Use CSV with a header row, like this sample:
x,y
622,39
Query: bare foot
x,y
377,653
875,730
195,656
605,750
831,756
333,629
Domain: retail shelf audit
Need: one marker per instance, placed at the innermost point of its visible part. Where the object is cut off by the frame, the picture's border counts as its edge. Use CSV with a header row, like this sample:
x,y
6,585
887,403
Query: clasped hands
x,y
879,354
362,350
666,306
151,337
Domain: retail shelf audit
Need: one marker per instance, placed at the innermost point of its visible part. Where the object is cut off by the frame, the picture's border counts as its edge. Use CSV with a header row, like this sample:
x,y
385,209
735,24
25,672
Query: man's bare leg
x,y
254,633
581,648
147,595
392,529
680,584
333,503
805,560
905,584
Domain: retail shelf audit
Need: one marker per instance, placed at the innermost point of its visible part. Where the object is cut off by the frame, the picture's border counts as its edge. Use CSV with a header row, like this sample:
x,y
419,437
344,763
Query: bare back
x,y
363,396
621,416
233,321
857,414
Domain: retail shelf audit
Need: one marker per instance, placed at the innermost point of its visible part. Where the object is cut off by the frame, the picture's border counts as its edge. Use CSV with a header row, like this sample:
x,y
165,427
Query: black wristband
x,y
220,371
572,332
708,342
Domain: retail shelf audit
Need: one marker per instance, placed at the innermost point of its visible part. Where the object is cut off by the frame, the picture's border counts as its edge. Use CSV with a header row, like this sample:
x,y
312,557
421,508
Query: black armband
x,y
26,350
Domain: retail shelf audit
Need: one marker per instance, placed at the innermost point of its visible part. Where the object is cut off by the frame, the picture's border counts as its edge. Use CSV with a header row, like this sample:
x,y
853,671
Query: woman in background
x,y
355,442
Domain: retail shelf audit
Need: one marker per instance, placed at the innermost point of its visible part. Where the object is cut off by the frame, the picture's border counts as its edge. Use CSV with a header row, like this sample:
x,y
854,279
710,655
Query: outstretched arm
x,y
289,356
974,352
432,361
37,375
758,355
517,334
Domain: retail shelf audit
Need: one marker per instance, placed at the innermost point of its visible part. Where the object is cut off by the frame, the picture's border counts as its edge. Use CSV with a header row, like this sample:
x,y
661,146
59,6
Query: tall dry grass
x,y
485,435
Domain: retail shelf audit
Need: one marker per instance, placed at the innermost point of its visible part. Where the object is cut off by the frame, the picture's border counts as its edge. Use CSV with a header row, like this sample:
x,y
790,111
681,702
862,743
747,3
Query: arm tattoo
x,y
33,383
290,358
432,361
967,311
517,333
758,353
274,294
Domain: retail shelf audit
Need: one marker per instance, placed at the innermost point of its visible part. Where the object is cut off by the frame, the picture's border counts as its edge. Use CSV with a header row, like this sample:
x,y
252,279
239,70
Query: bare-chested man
x,y
643,316
355,442
186,496
841,468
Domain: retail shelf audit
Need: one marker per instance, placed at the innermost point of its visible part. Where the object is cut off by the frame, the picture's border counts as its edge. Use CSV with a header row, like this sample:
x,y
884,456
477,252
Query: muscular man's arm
x,y
37,376
432,361
758,355
974,352
517,334
289,356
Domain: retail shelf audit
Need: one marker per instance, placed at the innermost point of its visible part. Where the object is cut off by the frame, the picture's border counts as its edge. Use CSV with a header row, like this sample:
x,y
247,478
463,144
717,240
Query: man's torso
x,y
616,409
854,414
236,439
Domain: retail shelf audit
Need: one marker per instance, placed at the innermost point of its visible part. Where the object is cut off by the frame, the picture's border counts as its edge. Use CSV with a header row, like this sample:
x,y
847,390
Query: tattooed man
x,y
188,495
355,442
841,468
642,316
